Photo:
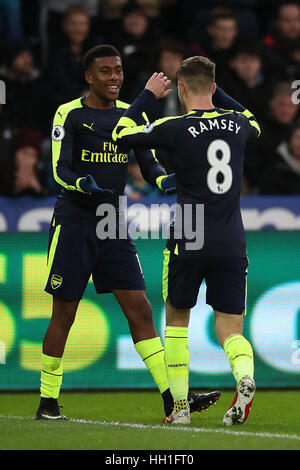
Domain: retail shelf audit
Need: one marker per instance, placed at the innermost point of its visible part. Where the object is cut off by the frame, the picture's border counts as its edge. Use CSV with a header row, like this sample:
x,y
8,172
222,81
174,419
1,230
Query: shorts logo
x,y
58,133
56,281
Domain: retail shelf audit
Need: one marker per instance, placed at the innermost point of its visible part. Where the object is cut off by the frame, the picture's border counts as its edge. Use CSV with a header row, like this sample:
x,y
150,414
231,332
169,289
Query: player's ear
x,y
214,88
182,88
88,77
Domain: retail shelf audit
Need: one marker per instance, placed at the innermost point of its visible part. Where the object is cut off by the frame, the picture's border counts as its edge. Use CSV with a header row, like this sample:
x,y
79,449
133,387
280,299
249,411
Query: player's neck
x,y
94,101
199,102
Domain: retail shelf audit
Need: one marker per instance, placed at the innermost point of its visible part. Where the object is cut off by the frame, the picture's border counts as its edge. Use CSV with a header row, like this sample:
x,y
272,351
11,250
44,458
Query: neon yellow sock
x,y
177,361
240,356
51,376
152,352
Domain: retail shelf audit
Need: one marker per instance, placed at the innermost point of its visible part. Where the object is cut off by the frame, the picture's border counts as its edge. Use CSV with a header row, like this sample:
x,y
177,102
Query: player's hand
x,y
168,184
89,185
158,84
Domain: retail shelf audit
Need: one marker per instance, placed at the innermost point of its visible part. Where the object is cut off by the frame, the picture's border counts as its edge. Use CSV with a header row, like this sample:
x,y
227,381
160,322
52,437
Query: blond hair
x,y
198,73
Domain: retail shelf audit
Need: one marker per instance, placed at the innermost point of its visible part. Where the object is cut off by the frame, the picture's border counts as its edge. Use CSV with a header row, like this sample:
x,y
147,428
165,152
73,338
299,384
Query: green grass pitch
x,y
133,421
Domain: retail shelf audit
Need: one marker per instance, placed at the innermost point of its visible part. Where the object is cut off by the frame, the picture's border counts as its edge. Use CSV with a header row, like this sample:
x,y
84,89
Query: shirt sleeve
x,y
159,134
164,156
253,126
62,150
225,101
151,169
146,158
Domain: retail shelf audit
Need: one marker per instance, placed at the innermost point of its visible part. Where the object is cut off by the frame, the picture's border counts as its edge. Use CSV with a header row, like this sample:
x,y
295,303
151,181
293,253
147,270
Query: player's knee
x,y
64,314
68,319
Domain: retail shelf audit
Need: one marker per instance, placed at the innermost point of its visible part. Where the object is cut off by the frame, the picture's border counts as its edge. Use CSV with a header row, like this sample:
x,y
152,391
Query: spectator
x,y
282,113
200,12
286,29
26,176
291,70
20,173
168,57
27,92
286,24
134,39
218,44
76,26
26,118
50,16
245,78
283,176
65,65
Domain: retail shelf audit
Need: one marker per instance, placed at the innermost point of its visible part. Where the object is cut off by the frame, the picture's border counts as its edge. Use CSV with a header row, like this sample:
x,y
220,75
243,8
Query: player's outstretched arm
x,y
127,127
222,100
160,134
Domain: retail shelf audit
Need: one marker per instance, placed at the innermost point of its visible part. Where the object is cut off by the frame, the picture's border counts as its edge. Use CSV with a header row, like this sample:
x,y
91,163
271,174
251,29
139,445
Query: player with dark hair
x,y
206,147
92,170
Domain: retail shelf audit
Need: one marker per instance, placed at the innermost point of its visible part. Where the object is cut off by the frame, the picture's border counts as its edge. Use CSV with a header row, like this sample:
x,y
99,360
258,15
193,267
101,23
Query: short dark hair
x,y
285,3
170,45
198,73
166,45
132,6
221,13
75,10
249,48
104,50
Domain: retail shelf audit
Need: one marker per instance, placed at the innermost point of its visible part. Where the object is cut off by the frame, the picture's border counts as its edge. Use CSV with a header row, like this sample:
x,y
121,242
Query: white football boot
x,y
239,410
182,416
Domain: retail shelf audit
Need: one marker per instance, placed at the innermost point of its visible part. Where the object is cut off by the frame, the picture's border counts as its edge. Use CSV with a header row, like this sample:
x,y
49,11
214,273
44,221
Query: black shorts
x,y
226,282
75,253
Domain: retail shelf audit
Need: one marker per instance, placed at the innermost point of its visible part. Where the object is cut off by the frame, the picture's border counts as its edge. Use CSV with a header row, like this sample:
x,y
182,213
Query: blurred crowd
x,y
255,45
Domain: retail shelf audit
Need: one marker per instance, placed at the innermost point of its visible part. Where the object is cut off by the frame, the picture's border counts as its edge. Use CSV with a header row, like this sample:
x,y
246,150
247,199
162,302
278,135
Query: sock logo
x,y
178,365
56,281
239,355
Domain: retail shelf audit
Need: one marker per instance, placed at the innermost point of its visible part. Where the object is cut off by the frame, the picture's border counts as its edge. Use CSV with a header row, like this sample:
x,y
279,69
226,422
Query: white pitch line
x,y
176,428
189,429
